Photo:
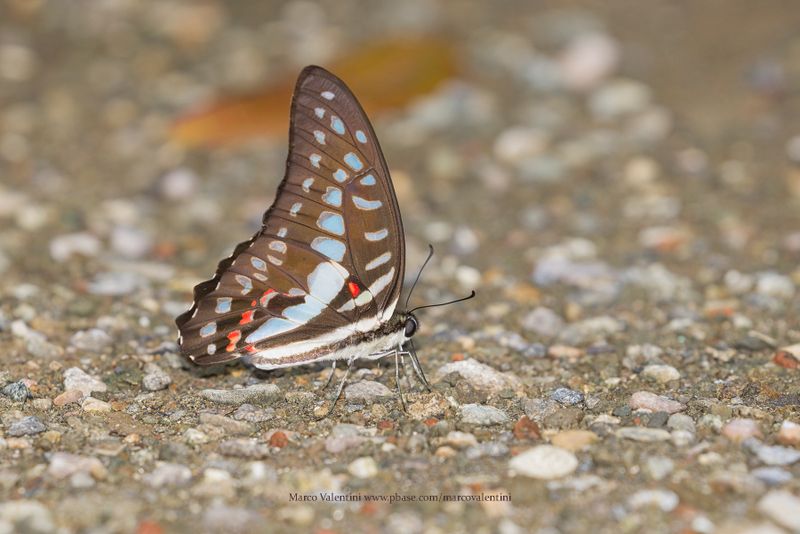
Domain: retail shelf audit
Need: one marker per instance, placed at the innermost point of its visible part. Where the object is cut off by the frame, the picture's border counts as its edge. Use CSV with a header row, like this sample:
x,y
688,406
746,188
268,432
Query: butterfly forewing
x,y
329,259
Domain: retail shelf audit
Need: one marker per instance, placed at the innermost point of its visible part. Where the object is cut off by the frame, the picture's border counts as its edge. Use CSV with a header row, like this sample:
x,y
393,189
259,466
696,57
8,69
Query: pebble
x,y
155,378
68,397
788,357
92,340
479,375
567,397
661,373
772,476
64,464
789,434
663,499
76,378
738,430
618,97
539,409
90,404
63,247
116,283
244,448
367,391
229,425
460,440
659,467
774,285
514,145
168,474
544,462
587,60
22,515
130,242
255,394
645,400
252,414
680,421
574,440
35,342
543,321
26,426
364,467
178,184
17,391
590,330
782,507
773,454
646,435
479,414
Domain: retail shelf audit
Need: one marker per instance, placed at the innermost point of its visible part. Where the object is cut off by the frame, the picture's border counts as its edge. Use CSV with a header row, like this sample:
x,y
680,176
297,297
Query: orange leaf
x,y
384,76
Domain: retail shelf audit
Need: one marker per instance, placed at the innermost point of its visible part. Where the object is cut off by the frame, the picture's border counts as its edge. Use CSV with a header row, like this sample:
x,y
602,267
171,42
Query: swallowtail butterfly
x,y
321,280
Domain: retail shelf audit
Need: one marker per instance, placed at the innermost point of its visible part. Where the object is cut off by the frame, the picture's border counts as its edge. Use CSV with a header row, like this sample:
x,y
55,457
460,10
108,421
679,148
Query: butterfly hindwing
x,y
329,258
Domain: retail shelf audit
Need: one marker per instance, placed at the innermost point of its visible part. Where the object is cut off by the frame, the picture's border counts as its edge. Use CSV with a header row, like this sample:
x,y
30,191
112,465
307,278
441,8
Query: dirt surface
x,y
620,182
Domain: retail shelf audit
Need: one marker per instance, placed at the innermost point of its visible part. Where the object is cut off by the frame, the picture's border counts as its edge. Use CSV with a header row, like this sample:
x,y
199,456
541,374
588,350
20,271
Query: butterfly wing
x,y
329,259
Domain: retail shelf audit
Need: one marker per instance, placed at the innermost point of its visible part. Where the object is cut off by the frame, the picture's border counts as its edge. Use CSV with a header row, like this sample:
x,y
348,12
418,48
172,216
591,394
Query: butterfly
x,y
321,280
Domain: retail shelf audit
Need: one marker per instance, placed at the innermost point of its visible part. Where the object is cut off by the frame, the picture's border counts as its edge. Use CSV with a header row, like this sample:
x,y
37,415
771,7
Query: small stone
x,y
155,378
738,430
788,357
782,507
255,394
68,397
619,97
525,429
661,373
590,330
22,515
680,421
116,283
789,434
772,476
178,184
539,409
231,426
367,391
646,435
564,351
17,391
574,440
252,414
364,467
76,378
43,404
543,322
460,440
775,285
645,400
587,60
479,375
659,467
567,397
774,454
479,414
26,426
64,464
90,404
130,242
63,247
168,474
195,436
663,499
93,340
544,462
244,448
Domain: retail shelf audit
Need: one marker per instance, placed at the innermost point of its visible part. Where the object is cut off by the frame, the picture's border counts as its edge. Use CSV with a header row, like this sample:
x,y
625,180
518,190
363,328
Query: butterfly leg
x,y
339,389
397,379
330,376
417,367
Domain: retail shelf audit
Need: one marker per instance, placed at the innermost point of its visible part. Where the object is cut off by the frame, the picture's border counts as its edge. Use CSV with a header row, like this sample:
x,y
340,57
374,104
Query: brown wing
x,y
330,256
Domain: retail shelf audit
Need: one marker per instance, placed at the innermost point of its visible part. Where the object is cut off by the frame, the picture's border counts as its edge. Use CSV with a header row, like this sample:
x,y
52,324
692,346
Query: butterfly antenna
x,y
419,273
462,299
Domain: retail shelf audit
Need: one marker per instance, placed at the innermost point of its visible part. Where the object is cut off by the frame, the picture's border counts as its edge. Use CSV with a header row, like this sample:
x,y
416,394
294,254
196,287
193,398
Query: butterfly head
x,y
411,325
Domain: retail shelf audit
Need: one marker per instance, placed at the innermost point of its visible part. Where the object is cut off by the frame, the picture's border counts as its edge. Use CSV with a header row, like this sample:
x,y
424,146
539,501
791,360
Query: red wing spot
x,y
250,348
247,317
234,338
253,303
354,289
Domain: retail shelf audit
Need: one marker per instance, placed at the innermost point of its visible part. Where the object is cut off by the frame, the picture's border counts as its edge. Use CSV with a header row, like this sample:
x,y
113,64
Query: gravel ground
x,y
619,182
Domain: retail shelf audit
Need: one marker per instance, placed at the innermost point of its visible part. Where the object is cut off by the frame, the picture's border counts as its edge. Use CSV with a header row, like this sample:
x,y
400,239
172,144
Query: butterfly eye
x,y
411,326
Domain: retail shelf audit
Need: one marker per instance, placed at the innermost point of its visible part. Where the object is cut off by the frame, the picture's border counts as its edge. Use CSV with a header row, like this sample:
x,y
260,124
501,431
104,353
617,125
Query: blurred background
x,y
635,160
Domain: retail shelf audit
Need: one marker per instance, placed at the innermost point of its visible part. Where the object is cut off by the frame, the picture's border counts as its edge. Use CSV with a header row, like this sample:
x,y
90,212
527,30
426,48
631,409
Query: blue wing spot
x,y
337,125
361,137
295,208
315,159
331,222
368,180
340,175
223,305
364,204
331,248
353,161
307,184
319,136
333,196
376,236
208,330
245,282
258,263
319,112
